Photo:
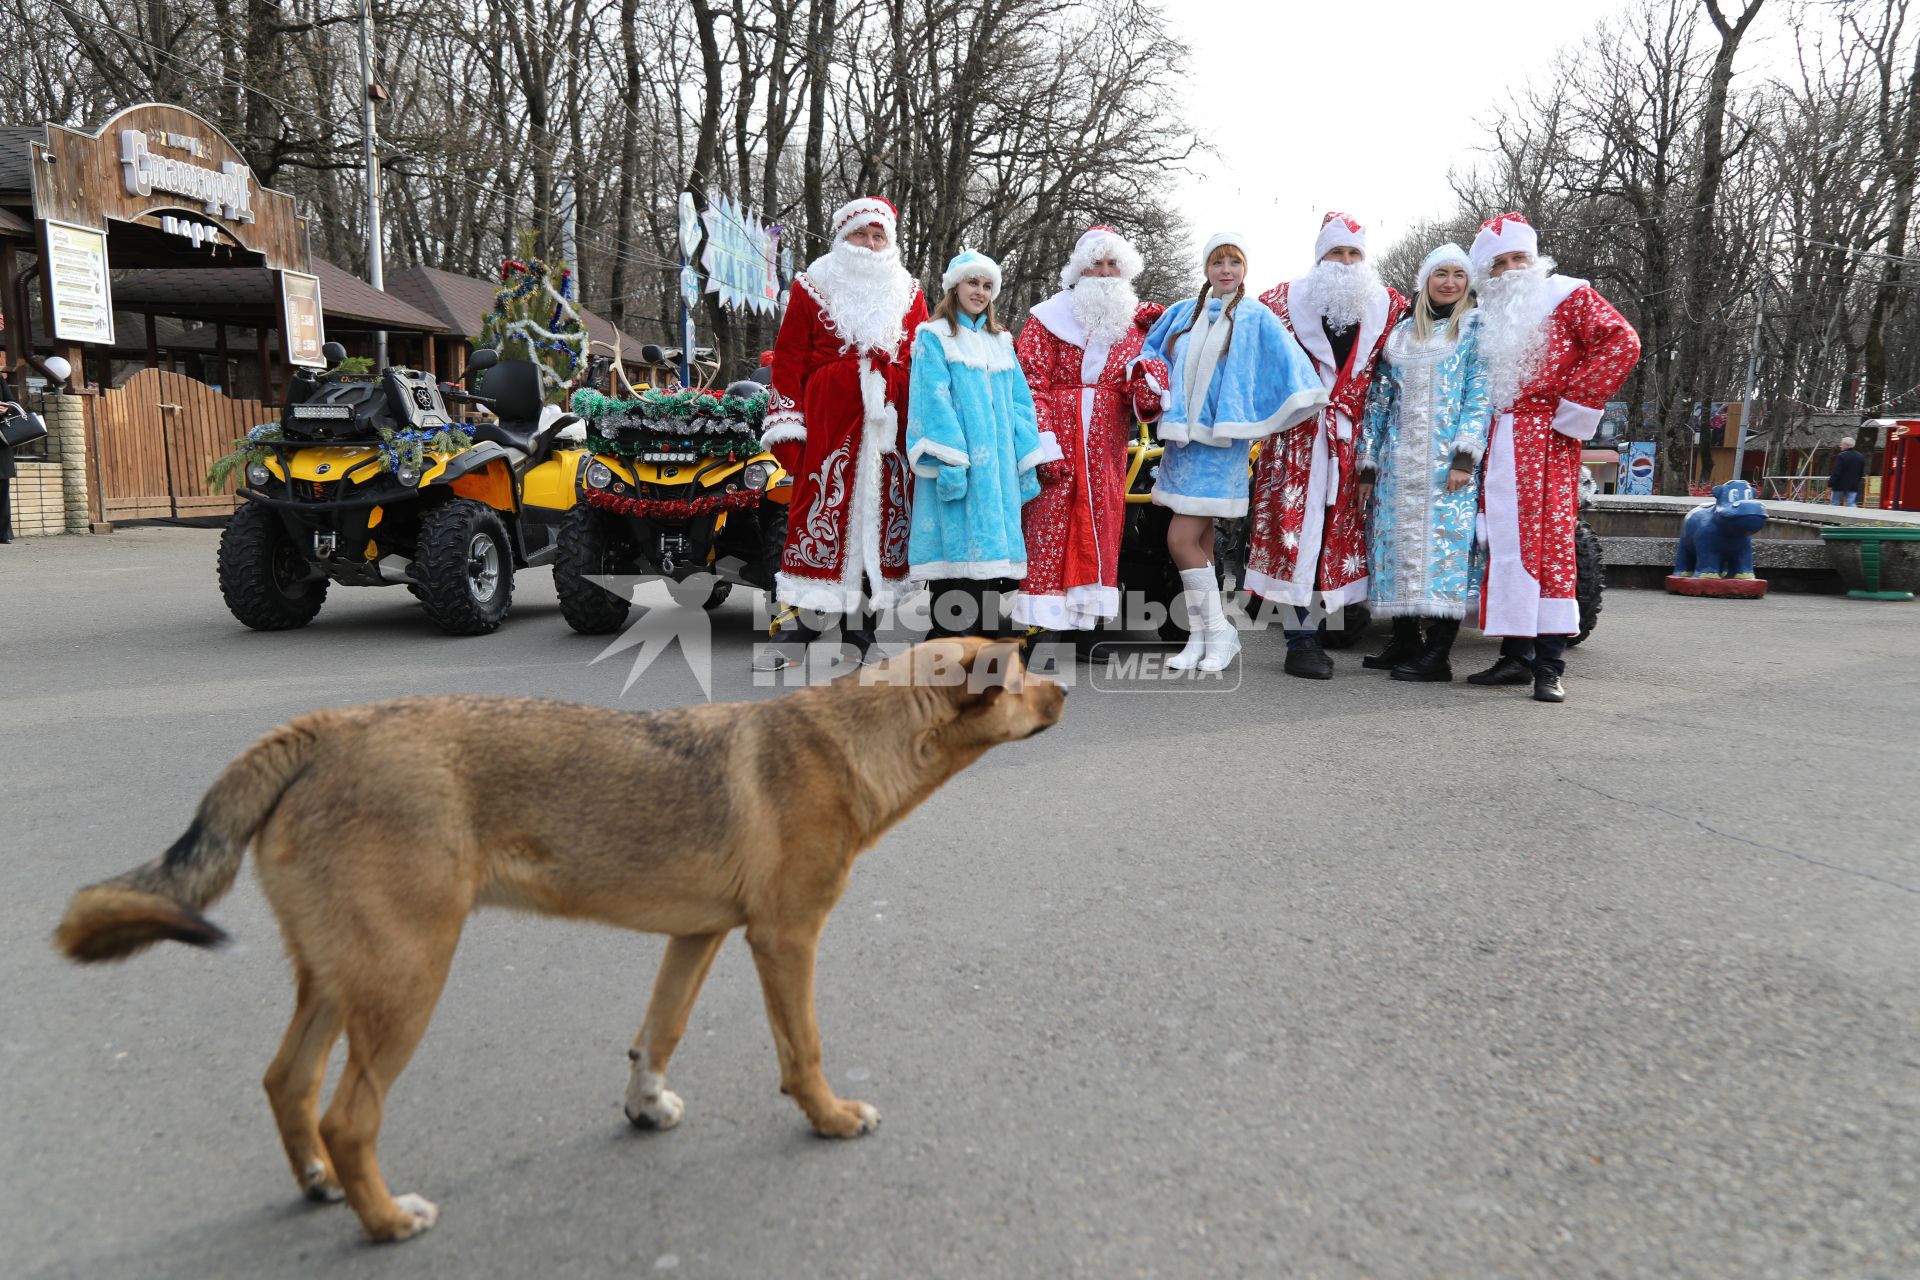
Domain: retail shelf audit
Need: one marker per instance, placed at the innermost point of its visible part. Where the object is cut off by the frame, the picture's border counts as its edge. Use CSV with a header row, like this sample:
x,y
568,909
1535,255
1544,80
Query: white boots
x,y
1211,640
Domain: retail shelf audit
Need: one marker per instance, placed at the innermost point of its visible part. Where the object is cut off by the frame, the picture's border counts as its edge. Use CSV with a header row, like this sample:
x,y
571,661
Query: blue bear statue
x,y
1716,539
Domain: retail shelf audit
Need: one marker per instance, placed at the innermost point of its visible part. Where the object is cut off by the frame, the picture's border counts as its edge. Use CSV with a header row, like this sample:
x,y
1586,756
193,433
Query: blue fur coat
x,y
973,444
1265,384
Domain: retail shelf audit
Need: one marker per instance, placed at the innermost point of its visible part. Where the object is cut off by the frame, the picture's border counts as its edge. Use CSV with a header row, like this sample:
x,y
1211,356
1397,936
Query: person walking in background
x,y
1420,447
973,448
1307,541
1078,350
1235,375
1848,479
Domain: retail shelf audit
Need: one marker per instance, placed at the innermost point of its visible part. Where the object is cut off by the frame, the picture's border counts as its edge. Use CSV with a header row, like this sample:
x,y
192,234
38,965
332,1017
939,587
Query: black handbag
x,y
19,427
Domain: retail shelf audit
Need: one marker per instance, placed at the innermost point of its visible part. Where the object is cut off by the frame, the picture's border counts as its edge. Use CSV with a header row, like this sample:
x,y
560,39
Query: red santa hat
x,y
1508,233
862,212
1099,242
1339,231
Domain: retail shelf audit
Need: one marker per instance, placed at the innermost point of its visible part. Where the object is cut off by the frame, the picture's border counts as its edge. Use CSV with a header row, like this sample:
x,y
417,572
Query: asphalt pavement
x,y
1344,979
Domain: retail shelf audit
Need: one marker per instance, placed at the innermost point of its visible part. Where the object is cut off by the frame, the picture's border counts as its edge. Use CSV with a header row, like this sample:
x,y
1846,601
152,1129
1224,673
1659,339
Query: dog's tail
x,y
162,900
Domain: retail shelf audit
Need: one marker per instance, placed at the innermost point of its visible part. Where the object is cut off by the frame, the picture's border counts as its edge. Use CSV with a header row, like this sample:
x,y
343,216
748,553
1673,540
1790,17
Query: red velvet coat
x,y
1087,401
1530,498
838,424
1307,532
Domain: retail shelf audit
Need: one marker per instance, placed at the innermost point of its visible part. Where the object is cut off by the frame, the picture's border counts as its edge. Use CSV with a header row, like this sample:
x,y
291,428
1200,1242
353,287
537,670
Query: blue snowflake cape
x,y
1264,384
973,443
1428,410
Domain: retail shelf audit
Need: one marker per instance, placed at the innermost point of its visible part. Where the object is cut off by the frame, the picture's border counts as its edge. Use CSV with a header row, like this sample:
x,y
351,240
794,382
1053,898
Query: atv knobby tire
x,y
261,568
464,568
1590,578
590,546
718,596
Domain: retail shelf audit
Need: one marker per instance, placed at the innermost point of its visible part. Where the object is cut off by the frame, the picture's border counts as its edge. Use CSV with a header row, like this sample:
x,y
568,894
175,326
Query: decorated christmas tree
x,y
534,318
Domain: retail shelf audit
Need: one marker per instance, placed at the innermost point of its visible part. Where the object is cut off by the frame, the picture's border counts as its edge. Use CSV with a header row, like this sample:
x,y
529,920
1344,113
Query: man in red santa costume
x,y
1555,352
1075,349
1307,532
837,423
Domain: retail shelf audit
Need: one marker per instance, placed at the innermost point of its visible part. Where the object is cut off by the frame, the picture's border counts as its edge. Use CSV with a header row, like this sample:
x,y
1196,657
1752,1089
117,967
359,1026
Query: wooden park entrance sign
x,y
158,186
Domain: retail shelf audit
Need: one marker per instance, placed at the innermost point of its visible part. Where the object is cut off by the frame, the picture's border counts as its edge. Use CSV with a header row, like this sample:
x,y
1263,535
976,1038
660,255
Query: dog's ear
x,y
993,669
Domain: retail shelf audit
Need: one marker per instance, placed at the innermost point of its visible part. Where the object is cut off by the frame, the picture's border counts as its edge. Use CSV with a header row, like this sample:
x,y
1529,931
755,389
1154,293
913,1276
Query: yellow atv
x,y
677,485
367,480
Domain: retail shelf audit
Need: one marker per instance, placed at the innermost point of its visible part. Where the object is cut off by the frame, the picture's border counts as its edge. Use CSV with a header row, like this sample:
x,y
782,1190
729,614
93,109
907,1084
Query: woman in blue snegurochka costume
x,y
974,447
1425,431
1235,375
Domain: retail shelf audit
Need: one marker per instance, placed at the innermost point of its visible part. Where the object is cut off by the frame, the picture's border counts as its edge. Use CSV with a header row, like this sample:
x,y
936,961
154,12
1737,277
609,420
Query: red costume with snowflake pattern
x,y
1306,531
850,514
1087,407
1530,497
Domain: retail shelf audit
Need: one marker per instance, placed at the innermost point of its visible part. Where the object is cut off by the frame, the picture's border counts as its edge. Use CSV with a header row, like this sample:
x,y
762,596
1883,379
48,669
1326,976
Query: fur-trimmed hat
x,y
855,214
1508,233
1099,242
966,265
1446,253
1220,238
1339,231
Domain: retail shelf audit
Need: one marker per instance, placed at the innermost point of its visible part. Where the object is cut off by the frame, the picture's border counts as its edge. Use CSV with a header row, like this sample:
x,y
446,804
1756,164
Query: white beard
x,y
866,293
1513,329
1342,291
1104,306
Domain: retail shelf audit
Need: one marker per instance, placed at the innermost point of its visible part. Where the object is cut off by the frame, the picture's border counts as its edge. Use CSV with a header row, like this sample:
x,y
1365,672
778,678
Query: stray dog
x,y
377,829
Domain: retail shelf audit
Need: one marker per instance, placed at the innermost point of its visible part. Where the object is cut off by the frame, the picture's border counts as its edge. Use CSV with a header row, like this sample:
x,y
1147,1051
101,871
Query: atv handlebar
x,y
451,391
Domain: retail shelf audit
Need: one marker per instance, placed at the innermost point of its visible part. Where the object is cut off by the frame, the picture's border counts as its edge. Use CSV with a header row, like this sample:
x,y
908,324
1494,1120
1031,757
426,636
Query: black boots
x,y
1404,646
1430,665
1504,671
1309,662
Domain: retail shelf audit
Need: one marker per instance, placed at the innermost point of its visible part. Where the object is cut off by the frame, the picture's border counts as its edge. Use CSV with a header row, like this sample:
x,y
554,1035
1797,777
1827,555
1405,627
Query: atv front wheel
x,y
464,568
718,596
1353,625
263,576
590,546
1590,578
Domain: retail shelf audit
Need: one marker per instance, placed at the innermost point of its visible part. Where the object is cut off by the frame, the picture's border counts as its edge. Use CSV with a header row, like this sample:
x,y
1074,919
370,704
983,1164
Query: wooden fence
x,y
152,441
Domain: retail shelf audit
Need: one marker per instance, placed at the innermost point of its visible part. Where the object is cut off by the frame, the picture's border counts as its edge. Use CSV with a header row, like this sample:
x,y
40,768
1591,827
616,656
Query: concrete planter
x,y
1876,564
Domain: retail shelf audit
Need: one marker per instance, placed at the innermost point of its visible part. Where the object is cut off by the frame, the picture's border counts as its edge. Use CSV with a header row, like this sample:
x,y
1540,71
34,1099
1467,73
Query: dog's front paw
x,y
662,1112
847,1119
416,1214
319,1185
650,1104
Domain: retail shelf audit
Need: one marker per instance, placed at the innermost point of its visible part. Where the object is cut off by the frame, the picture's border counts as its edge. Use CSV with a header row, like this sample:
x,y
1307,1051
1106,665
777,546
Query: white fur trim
x,y
879,424
1049,449
1181,504
1220,238
1300,406
1034,459
1312,336
1469,452
1559,617
1096,243
969,569
975,348
1446,253
1354,592
858,213
920,450
1577,421
1056,317
1278,590
783,426
1338,231
1512,595
966,267
1080,609
1508,233
1416,609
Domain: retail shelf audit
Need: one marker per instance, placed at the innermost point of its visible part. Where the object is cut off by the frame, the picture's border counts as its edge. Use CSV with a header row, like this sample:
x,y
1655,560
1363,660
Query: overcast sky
x,y
1273,90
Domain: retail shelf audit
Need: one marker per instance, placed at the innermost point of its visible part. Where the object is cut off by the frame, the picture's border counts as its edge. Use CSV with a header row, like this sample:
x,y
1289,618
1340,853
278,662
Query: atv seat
x,y
508,435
